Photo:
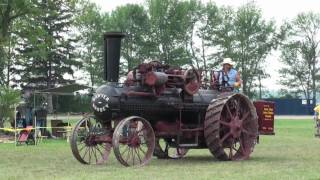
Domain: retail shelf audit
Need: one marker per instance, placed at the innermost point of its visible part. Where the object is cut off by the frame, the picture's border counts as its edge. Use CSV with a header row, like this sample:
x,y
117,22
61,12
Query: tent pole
x,y
35,129
34,99
35,118
68,127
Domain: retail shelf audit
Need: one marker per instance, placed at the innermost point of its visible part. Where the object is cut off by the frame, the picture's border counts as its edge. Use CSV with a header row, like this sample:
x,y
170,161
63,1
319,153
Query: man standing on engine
x,y
229,77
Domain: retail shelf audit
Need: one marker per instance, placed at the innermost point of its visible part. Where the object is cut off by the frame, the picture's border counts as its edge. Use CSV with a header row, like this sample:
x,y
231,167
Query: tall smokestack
x,y
112,47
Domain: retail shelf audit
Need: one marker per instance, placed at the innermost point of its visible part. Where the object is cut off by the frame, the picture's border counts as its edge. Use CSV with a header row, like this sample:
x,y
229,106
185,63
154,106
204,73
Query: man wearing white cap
x,y
229,77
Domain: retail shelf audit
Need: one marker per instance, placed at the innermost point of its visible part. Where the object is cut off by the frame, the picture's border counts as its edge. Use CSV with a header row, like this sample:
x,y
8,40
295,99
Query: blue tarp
x,y
293,106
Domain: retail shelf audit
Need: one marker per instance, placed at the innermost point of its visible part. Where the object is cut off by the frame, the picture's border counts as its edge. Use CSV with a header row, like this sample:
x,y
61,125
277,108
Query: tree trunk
x,y
49,96
50,104
260,87
244,86
314,90
204,58
2,65
9,62
91,65
1,125
8,73
1,122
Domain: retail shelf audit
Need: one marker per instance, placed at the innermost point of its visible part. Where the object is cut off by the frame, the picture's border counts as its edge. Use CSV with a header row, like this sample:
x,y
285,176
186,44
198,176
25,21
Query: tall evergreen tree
x,y
46,46
10,11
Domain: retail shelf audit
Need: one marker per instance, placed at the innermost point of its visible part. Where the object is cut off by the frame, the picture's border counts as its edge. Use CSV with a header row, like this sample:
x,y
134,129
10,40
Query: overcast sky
x,y
279,10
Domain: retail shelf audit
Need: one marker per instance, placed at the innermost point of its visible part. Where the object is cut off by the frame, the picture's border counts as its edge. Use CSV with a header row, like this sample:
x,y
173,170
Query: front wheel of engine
x,y
133,141
84,145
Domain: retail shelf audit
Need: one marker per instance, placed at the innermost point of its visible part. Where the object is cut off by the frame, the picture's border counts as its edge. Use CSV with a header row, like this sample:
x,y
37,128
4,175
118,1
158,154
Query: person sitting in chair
x,y
228,77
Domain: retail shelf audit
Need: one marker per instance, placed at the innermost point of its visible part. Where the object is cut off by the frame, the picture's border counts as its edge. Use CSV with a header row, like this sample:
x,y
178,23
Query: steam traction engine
x,y
162,111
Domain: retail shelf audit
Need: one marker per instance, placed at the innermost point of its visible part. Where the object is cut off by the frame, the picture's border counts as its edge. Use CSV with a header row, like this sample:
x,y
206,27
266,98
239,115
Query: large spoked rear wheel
x,y
90,142
231,127
133,141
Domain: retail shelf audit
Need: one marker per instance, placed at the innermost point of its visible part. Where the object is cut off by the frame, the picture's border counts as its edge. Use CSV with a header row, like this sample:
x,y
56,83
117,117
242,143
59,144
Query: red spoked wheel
x,y
133,141
164,151
231,127
85,144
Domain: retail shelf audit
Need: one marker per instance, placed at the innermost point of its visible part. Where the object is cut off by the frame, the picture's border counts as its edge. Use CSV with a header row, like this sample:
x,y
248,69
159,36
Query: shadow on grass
x,y
200,159
210,159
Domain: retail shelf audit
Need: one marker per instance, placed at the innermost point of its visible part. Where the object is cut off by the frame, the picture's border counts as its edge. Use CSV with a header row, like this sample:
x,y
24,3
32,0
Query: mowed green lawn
x,y
293,153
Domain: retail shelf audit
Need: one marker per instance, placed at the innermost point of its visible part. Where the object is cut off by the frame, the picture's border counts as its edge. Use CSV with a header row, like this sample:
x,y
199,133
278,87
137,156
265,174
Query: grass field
x,y
294,153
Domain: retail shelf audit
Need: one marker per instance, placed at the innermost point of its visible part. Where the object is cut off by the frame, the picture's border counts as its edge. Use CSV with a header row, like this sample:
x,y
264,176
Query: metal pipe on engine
x,y
112,47
155,78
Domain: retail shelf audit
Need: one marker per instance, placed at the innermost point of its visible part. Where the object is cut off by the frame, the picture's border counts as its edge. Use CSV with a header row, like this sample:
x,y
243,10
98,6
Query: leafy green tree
x,y
216,32
91,24
9,99
299,53
254,40
169,20
205,19
248,39
132,19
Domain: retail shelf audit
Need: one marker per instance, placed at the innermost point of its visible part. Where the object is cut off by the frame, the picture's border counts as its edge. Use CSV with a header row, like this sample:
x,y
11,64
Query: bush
x,y
9,99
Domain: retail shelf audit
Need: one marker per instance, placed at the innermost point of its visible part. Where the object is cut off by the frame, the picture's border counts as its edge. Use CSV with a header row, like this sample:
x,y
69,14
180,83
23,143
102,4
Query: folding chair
x,y
26,136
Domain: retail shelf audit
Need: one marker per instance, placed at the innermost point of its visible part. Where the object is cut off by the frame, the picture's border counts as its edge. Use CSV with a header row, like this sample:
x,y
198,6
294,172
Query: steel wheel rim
x,y
237,130
133,141
83,145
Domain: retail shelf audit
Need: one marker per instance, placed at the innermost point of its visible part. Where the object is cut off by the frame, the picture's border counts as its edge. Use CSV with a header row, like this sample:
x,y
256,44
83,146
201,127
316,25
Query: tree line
x,y
44,41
